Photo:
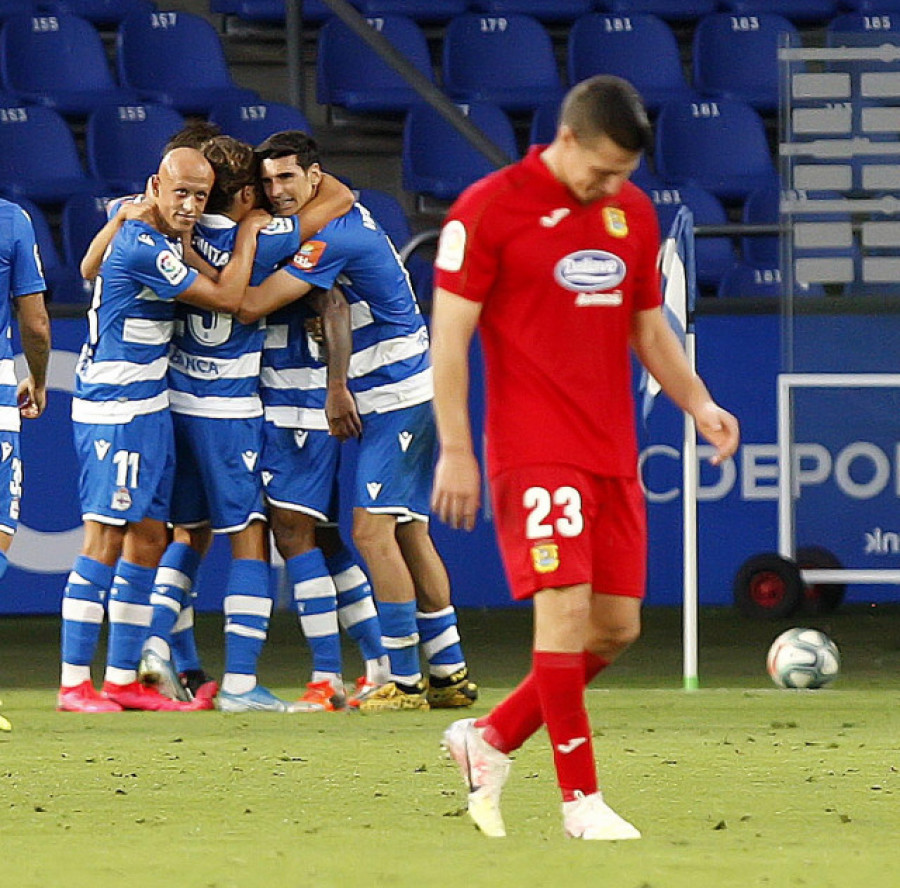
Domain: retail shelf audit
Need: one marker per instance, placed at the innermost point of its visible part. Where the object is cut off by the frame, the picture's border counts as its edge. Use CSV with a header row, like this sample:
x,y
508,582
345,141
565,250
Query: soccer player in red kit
x,y
553,259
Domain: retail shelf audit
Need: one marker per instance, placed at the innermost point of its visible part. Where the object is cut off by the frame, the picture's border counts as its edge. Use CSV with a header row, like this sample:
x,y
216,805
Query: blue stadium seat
x,y
762,208
543,10
713,255
255,122
58,61
720,145
884,25
737,57
390,215
670,10
177,59
124,143
351,75
64,282
641,48
872,7
507,60
82,217
17,7
269,11
543,124
103,13
39,158
438,161
418,10
798,11
745,280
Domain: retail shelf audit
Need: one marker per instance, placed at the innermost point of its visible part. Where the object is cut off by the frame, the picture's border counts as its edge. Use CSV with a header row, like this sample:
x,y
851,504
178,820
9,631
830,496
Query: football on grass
x,y
803,658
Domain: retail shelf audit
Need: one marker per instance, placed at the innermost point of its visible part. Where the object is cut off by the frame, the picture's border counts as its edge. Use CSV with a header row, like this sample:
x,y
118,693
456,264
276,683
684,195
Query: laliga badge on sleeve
x,y
615,222
451,246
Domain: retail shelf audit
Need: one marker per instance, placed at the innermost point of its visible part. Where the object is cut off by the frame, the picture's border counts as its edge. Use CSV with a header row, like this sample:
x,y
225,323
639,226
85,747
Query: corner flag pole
x,y
689,474
679,282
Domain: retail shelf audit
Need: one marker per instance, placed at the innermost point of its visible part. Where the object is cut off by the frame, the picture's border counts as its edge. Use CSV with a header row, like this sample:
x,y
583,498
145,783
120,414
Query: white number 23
x,y
540,501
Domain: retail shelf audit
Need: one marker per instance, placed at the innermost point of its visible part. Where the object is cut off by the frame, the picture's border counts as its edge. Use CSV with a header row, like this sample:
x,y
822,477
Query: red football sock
x,y
516,718
560,685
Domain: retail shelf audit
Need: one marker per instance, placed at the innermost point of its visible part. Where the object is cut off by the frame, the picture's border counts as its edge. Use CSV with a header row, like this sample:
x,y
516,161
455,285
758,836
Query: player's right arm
x,y
456,492
34,331
340,407
333,199
226,293
277,290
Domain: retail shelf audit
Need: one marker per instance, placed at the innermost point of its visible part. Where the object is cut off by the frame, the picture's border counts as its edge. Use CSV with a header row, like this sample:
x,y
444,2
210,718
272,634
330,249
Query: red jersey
x,y
559,282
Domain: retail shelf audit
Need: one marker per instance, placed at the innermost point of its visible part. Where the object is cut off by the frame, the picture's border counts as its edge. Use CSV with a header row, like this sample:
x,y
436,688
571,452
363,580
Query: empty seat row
x,y
554,11
59,61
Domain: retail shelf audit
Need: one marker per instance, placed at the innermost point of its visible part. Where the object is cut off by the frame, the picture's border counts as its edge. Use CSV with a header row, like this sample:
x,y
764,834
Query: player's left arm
x,y
129,210
659,350
332,199
34,331
340,407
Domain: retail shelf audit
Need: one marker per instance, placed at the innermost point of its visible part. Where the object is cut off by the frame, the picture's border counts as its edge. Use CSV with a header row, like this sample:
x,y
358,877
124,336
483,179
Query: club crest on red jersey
x,y
615,222
545,557
308,255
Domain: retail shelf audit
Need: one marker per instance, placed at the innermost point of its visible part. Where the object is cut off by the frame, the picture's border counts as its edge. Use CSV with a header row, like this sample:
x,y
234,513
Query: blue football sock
x,y
248,607
440,641
82,615
129,620
172,586
316,601
401,639
356,606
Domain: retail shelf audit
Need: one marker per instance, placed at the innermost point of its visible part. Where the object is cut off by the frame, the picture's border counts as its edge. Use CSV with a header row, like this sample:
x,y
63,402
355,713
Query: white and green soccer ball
x,y
803,658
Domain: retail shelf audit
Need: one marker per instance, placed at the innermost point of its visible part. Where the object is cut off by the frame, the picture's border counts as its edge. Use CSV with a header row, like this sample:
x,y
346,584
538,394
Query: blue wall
x,y
851,490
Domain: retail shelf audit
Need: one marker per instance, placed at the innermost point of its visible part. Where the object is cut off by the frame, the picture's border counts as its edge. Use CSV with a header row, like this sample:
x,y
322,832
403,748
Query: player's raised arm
x,y
93,257
456,492
276,291
225,295
333,198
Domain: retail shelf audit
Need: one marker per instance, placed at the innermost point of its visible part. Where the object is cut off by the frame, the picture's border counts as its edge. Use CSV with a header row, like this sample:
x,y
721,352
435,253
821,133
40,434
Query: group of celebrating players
x,y
231,349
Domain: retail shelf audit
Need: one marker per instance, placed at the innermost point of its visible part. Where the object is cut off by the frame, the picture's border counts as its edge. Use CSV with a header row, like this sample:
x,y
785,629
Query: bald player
x,y
123,431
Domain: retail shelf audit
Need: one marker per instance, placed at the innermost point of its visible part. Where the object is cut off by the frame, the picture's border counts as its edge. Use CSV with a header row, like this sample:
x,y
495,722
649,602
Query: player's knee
x,y
608,640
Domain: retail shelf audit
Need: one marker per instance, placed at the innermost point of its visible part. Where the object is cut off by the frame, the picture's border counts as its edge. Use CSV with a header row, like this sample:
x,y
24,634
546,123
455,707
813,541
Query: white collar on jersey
x,y
216,220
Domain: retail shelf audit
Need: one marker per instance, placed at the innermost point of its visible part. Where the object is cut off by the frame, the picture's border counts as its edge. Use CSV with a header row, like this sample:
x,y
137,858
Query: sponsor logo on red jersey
x,y
590,271
308,255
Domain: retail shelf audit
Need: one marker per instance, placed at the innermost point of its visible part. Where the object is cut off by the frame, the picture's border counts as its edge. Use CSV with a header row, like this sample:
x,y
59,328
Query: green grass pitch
x,y
736,785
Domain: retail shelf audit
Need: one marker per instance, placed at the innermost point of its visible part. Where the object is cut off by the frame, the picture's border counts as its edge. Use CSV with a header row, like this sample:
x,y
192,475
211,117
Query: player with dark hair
x,y
22,285
214,367
553,259
390,379
123,429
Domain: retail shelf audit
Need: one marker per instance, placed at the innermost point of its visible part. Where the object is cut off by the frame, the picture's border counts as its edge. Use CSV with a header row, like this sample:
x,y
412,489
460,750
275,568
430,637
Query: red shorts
x,y
561,526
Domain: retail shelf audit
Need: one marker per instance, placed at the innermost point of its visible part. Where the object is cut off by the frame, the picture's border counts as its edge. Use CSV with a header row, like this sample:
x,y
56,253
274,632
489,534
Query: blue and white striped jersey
x,y
20,275
390,367
214,360
121,372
